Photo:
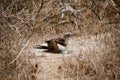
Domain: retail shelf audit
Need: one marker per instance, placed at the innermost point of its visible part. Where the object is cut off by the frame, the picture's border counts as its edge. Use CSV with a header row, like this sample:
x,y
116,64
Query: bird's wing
x,y
60,41
52,45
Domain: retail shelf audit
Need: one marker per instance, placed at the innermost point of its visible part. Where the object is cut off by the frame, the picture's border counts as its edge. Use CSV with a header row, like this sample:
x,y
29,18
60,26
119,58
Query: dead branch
x,y
113,5
40,8
21,51
93,6
12,5
16,29
71,9
116,29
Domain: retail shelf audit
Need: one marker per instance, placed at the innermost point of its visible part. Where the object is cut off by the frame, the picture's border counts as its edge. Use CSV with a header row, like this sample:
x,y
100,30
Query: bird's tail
x,y
41,47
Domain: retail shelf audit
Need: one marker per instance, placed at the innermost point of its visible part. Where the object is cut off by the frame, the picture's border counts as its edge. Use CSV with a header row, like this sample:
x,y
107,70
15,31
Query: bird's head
x,y
68,35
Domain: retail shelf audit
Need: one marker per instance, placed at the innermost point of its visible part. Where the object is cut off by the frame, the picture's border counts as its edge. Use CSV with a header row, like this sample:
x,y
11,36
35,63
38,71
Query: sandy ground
x,y
49,63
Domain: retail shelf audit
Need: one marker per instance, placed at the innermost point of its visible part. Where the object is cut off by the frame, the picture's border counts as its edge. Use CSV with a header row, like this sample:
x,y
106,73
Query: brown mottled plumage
x,y
52,45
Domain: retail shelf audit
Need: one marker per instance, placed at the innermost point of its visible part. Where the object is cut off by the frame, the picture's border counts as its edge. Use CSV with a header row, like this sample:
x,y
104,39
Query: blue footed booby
x,y
57,45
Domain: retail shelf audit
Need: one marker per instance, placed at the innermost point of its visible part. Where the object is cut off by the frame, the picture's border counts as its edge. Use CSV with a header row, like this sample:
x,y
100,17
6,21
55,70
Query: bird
x,y
57,45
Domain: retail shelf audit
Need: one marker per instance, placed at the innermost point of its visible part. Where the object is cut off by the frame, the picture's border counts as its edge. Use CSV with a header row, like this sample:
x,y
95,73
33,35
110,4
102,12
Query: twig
x,y
113,5
11,5
16,29
40,8
116,29
94,10
112,2
21,51
71,9
35,13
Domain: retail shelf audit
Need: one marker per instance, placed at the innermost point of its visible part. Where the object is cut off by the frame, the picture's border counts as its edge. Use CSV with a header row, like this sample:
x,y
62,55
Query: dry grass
x,y
94,54
100,61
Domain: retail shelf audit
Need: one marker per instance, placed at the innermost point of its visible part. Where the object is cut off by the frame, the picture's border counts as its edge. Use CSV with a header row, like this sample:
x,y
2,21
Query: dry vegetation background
x,y
23,22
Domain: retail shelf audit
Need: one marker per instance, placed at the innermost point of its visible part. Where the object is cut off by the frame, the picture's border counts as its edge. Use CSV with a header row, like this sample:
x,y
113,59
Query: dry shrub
x,y
12,44
15,32
20,20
